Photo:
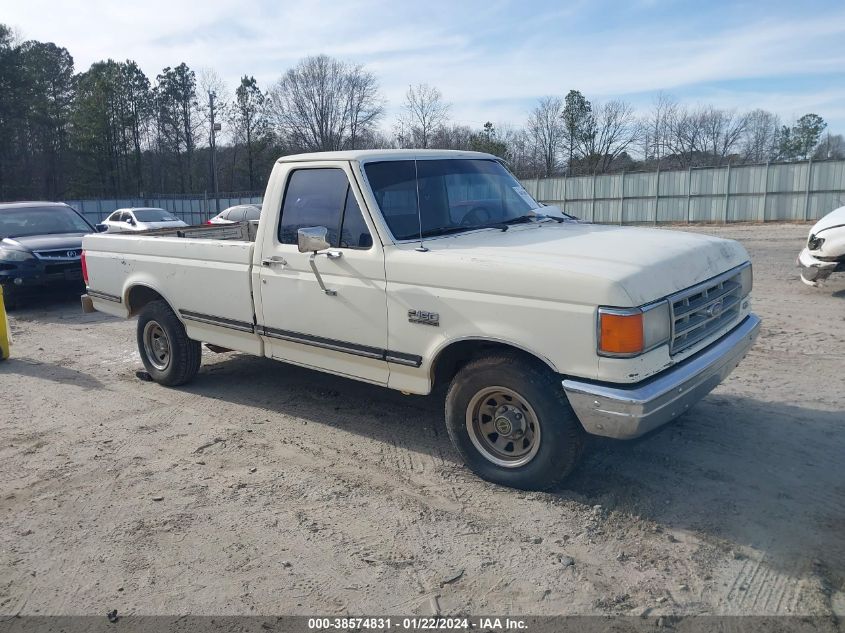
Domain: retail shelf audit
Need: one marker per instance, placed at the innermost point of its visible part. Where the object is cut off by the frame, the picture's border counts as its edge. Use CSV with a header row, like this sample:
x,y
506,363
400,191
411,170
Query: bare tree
x,y
610,131
831,146
656,126
364,104
759,142
424,113
721,133
705,136
547,133
325,104
452,137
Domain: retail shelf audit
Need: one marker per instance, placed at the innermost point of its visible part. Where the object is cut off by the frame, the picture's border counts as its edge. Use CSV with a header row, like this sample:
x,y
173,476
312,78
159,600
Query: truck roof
x,y
384,154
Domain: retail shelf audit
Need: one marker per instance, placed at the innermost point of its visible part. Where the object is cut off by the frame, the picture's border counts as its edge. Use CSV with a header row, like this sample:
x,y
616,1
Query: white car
x,y
824,253
139,219
238,213
416,268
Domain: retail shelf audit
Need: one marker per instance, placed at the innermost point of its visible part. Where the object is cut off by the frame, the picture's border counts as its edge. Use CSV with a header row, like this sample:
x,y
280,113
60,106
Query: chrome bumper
x,y
625,412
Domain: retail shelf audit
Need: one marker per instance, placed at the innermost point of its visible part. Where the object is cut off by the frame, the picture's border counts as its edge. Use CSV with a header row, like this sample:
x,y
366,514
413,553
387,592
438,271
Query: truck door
x,y
341,325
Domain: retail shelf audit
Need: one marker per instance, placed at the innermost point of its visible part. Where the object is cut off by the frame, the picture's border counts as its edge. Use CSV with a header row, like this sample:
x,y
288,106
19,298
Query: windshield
x,y
154,215
41,221
454,195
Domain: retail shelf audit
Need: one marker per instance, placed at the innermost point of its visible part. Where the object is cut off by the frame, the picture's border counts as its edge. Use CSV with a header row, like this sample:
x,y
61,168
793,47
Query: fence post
x,y
656,194
689,193
622,201
99,210
727,194
593,201
807,193
564,193
765,193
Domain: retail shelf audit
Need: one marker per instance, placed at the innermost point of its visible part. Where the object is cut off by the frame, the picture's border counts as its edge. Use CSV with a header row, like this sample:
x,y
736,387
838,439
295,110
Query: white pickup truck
x,y
409,269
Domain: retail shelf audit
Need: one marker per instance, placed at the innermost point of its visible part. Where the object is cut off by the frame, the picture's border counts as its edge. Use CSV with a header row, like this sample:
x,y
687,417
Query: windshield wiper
x,y
449,230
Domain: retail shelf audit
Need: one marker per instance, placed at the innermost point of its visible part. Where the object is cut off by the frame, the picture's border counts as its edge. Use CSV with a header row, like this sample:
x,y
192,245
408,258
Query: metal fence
x,y
776,192
192,209
770,192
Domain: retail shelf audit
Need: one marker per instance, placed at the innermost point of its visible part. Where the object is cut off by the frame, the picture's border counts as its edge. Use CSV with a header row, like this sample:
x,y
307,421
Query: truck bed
x,y
242,231
203,272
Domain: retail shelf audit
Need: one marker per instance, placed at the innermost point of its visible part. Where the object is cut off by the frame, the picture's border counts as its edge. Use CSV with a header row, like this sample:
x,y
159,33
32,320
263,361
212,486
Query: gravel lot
x,y
267,489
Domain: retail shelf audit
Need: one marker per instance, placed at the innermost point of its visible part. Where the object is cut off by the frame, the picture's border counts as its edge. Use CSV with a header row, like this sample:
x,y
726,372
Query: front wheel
x,y
169,356
510,421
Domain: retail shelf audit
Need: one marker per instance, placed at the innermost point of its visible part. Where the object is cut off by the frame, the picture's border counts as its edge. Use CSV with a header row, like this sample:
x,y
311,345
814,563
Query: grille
x,y
700,311
64,253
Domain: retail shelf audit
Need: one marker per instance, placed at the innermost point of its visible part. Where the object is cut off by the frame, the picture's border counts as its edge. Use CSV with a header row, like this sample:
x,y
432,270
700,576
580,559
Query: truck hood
x,y
71,241
630,266
832,220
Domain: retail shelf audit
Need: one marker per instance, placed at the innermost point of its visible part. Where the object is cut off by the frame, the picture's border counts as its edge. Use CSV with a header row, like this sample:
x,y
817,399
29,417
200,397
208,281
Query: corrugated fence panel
x,y
674,183
743,193
637,210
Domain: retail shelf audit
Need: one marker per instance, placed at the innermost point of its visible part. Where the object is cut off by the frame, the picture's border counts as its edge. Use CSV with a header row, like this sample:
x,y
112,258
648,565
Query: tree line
x,y
112,131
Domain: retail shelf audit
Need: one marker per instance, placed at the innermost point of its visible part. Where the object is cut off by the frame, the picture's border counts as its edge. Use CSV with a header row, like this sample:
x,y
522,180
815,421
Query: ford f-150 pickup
x,y
410,269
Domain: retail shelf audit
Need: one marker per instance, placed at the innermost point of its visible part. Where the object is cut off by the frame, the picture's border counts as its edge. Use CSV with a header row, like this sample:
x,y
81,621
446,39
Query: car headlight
x,y
746,279
815,243
631,331
9,254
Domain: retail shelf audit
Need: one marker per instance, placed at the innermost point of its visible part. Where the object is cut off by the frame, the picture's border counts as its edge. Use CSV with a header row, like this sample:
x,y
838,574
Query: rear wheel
x,y
169,356
511,423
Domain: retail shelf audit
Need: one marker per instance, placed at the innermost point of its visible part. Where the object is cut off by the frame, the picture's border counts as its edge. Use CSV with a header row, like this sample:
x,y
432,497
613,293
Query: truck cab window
x,y
314,197
354,232
322,197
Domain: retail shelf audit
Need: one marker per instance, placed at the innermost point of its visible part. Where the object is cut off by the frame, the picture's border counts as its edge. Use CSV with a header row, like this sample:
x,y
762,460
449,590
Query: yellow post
x,y
4,329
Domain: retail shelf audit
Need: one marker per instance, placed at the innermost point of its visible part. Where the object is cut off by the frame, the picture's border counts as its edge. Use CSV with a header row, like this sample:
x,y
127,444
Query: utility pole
x,y
212,142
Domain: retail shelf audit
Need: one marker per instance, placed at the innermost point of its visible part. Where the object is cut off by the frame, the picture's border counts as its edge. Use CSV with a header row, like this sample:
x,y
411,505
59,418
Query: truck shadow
x,y
736,471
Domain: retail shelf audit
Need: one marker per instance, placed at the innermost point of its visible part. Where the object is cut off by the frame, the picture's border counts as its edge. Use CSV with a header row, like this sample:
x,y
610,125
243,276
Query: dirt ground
x,y
267,489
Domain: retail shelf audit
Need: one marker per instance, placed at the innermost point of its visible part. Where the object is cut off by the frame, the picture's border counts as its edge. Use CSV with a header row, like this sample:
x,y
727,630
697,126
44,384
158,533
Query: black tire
x,y
184,355
560,437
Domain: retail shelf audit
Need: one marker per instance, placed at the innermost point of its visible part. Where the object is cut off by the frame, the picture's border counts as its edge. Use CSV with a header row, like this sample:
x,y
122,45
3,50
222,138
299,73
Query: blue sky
x,y
491,59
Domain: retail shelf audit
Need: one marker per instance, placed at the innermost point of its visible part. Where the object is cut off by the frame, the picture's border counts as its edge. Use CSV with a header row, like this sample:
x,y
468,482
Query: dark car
x,y
40,248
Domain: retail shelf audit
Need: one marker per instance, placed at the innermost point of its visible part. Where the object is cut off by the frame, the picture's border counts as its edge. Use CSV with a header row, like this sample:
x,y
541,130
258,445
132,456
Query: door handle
x,y
275,260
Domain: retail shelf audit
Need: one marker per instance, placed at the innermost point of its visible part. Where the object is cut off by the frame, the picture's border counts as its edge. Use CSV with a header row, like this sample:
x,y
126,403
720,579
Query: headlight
x,y
12,255
746,279
632,331
815,243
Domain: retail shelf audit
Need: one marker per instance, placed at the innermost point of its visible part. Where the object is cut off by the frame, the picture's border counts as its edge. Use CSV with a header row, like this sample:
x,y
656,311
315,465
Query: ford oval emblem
x,y
715,310
72,253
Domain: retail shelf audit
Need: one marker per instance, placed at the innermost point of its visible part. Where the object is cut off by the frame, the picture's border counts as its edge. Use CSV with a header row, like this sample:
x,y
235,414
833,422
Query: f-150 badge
x,y
423,317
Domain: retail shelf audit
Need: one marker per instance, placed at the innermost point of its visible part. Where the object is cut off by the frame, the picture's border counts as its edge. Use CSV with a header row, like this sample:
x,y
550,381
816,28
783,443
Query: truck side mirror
x,y
312,239
101,228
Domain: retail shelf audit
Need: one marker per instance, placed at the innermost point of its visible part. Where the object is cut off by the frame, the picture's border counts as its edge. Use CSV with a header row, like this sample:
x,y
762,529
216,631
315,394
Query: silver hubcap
x,y
156,345
503,427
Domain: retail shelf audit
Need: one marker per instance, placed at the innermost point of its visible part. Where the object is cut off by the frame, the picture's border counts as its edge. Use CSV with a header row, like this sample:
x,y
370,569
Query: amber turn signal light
x,y
621,333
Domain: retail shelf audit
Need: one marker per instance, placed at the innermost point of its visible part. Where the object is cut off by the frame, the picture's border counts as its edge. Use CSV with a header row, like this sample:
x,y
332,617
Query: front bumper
x,y
30,277
626,412
815,270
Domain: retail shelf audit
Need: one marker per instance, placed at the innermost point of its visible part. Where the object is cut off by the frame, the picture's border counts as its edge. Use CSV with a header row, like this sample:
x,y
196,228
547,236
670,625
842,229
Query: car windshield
x,y
41,221
154,215
453,195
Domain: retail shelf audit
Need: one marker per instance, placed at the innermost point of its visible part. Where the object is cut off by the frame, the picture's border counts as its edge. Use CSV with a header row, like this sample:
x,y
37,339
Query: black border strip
x,y
233,324
399,358
389,356
103,295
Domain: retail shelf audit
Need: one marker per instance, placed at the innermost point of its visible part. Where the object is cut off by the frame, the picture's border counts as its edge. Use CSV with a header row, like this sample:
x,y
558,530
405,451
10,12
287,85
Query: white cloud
x,y
491,59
